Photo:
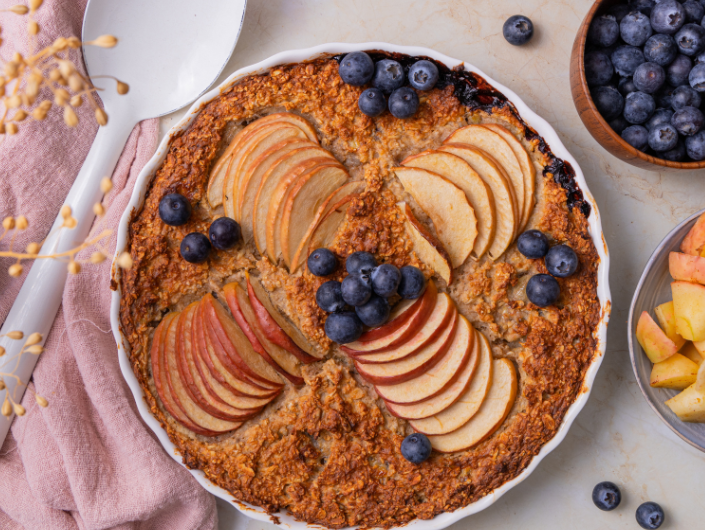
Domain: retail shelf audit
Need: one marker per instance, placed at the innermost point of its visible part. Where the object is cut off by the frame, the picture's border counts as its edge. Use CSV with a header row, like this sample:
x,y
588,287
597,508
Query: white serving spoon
x,y
169,52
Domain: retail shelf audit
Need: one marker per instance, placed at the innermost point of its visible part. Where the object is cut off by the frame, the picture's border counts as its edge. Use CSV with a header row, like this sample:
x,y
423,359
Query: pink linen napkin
x,y
87,461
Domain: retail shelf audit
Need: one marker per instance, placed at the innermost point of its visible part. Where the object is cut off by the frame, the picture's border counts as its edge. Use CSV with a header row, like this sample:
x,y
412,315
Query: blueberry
x,y
694,11
645,6
691,39
696,77
375,312
638,107
385,280
360,261
695,146
372,102
356,289
649,77
174,209
677,72
635,28
606,496
389,75
518,30
604,31
649,515
403,103
663,137
667,17
543,290
685,96
625,59
322,262
343,327
626,86
356,68
533,244
618,124
636,136
700,58
619,11
561,261
224,233
688,121
609,101
677,154
416,448
660,117
423,75
195,247
412,284
329,297
660,49
598,68
663,97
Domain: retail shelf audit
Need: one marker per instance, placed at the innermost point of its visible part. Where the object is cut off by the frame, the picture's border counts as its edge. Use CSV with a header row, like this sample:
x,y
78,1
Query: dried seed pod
x,y
61,97
21,222
2,352
70,117
6,408
70,223
32,89
8,223
15,335
19,409
97,257
11,128
74,267
39,114
15,270
101,117
60,44
26,100
104,41
66,68
122,88
106,184
2,88
2,384
124,260
33,249
55,75
35,350
19,115
19,9
76,101
75,83
32,27
2,128
45,105
65,211
11,69
74,42
42,402
98,209
14,101
34,5
34,338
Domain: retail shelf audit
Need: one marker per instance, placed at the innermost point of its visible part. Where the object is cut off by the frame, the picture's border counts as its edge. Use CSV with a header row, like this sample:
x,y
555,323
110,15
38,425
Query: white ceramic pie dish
x,y
538,123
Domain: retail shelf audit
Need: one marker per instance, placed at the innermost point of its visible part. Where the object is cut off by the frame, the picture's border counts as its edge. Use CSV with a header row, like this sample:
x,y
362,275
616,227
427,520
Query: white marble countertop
x,y
617,436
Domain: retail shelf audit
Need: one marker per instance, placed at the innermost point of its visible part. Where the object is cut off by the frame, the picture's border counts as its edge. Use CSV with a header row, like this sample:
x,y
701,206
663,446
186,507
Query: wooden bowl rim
x,y
582,36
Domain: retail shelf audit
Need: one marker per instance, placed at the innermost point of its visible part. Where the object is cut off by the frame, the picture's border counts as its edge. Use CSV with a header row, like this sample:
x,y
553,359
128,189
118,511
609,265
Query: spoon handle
x,y
38,301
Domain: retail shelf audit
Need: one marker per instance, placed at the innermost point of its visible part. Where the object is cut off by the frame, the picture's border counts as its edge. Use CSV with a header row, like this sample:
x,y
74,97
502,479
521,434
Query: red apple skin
x,y
392,325
273,331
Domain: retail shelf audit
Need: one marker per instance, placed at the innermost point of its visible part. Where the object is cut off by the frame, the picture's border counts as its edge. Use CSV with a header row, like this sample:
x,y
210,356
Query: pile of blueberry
x,y
367,288
224,233
561,261
645,64
388,79
606,496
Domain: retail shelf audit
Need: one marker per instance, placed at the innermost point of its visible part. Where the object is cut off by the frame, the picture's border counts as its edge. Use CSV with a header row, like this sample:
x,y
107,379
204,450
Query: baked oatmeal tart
x,y
229,347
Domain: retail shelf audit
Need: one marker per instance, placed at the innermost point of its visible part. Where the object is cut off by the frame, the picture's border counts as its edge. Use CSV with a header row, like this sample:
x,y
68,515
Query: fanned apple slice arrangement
x,y
677,346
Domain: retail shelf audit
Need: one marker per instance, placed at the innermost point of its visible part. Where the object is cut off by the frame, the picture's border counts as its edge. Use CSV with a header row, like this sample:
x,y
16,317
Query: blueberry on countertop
x,y
604,31
412,284
224,233
360,261
403,103
626,86
638,107
694,11
598,68
533,244
625,59
688,121
677,72
372,102
423,75
518,30
356,68
389,75
635,28
195,248
609,102
637,136
663,137
690,39
343,327
375,312
649,515
660,49
685,96
543,290
322,262
696,77
660,117
606,496
356,289
677,154
649,77
668,16
329,297
561,261
385,280
174,209
695,146
416,448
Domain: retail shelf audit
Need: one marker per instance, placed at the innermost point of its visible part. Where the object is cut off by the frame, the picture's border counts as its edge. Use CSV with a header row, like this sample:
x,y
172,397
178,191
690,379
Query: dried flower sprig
x,y
23,77
31,346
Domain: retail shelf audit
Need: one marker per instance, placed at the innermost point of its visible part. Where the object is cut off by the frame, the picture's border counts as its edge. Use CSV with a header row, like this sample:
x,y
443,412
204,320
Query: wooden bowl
x,y
595,123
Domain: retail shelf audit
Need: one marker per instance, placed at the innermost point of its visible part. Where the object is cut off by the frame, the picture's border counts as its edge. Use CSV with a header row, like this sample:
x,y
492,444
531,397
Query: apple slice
x,y
277,327
694,241
667,321
438,323
400,315
241,308
689,405
343,195
303,201
447,206
677,372
689,308
449,395
692,353
461,411
428,249
686,267
491,415
411,366
438,378
656,345
498,148
527,168
502,193
401,334
325,231
477,192
217,176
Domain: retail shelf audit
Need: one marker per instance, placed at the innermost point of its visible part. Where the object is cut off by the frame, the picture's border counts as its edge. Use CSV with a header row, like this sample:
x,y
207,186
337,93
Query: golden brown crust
x,y
329,452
